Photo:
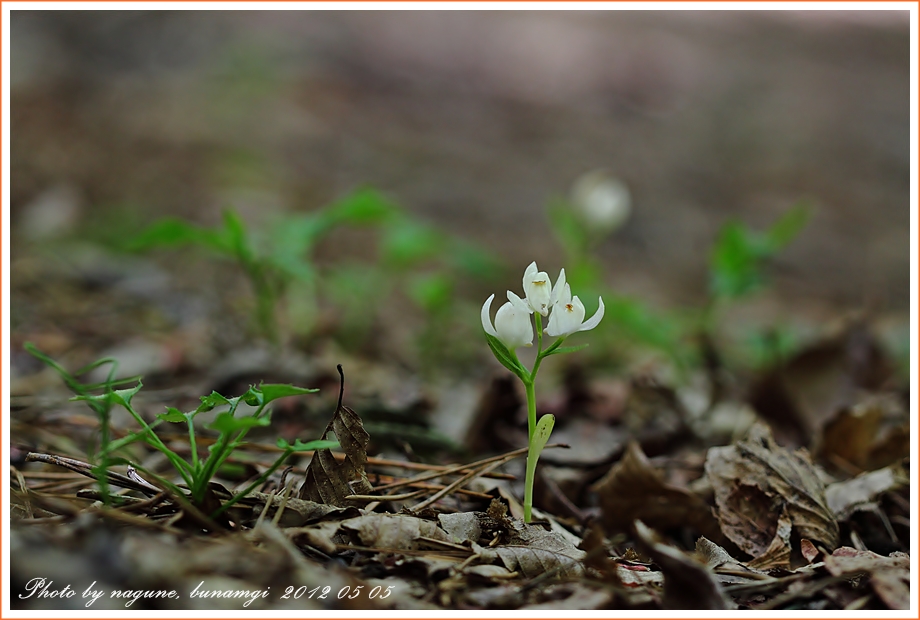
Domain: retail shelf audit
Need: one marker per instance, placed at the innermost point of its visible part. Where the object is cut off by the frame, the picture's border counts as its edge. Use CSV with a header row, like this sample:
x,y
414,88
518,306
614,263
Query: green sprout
x,y
198,472
513,329
414,260
740,254
277,257
738,269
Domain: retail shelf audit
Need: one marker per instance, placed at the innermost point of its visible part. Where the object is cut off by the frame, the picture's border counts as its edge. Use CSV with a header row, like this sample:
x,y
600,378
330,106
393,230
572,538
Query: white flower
x,y
568,314
512,322
537,289
601,201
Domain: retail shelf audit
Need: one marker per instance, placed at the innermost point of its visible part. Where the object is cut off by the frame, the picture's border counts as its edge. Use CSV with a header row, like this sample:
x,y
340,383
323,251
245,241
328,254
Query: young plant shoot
x,y
513,329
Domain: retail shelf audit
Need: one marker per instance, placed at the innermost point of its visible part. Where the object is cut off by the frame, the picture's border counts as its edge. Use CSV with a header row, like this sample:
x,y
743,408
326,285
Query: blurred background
x,y
216,199
471,124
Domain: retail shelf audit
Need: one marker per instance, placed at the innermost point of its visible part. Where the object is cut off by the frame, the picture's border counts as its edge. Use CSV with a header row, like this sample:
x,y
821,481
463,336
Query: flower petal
x,y
484,315
513,326
594,320
531,269
558,288
566,317
518,303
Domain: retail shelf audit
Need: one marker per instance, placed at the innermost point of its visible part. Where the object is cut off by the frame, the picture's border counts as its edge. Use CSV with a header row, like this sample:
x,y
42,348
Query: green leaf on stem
x,y
210,401
559,350
506,357
225,423
172,415
301,446
252,396
274,391
118,397
538,441
123,397
541,435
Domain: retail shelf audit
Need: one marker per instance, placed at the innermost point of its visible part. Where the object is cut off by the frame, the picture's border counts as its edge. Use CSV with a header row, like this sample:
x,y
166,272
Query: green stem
x,y
151,438
258,481
532,417
193,446
528,488
222,450
531,409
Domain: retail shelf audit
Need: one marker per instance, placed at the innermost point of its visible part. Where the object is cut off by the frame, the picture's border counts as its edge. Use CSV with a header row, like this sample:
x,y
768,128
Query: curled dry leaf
x,y
872,433
596,556
809,551
633,489
889,576
799,396
779,551
329,481
688,584
756,482
319,536
727,569
845,498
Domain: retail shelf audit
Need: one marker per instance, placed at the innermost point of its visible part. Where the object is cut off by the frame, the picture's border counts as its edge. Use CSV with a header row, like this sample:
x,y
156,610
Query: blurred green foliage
x,y
738,267
740,255
414,260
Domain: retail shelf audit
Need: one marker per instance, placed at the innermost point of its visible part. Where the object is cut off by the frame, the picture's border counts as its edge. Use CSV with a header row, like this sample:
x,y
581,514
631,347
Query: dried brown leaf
x,y
462,526
297,512
726,568
688,584
755,482
849,435
633,489
845,498
779,551
386,531
533,551
566,596
320,536
889,576
847,560
799,396
809,551
532,562
594,545
870,433
329,481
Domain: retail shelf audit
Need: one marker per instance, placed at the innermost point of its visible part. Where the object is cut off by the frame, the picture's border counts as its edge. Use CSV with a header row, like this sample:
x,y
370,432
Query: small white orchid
x,y
513,329
512,322
568,315
537,289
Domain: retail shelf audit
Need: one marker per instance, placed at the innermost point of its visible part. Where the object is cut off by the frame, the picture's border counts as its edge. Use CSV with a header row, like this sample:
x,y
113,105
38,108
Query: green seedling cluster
x,y
739,262
413,259
196,474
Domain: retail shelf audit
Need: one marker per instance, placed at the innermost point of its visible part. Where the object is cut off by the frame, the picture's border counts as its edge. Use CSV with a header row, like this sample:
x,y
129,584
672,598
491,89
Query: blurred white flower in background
x,y
601,201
